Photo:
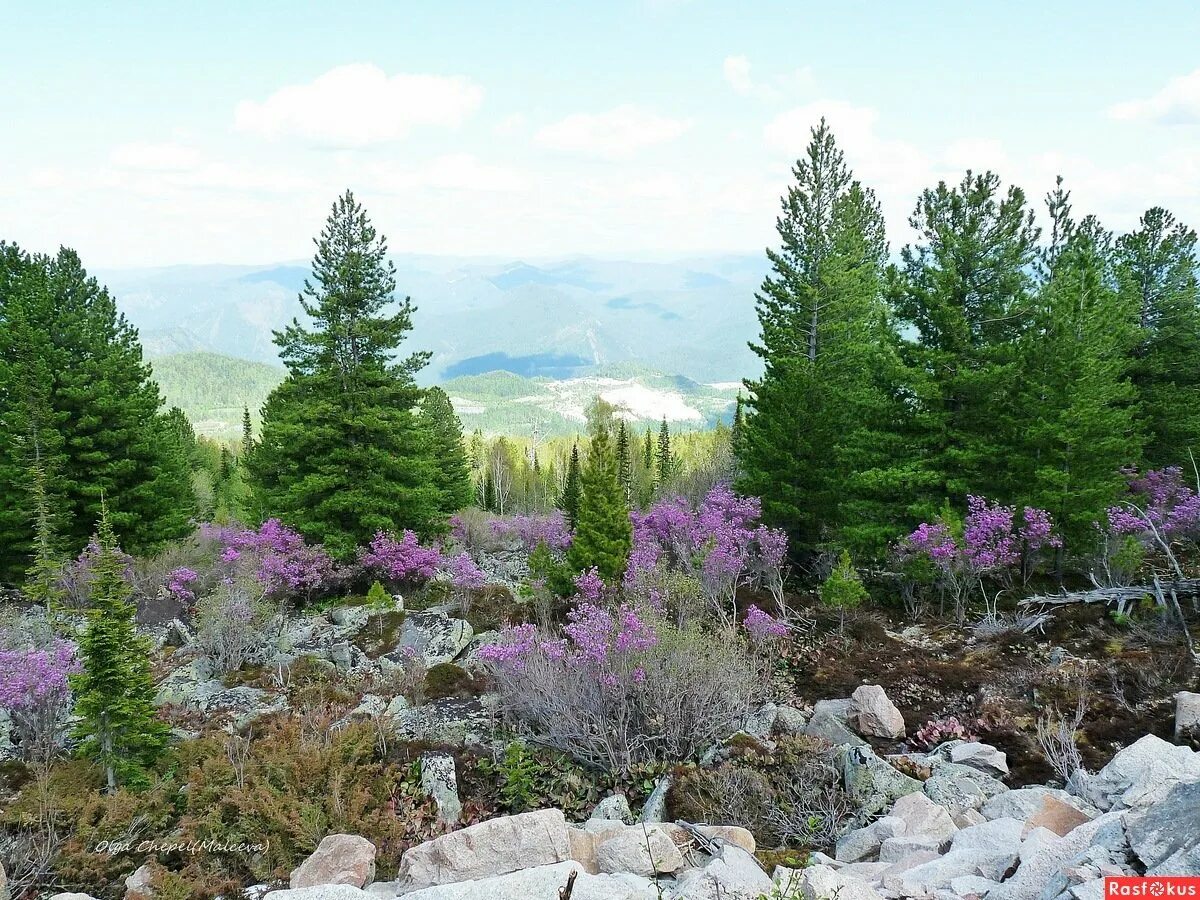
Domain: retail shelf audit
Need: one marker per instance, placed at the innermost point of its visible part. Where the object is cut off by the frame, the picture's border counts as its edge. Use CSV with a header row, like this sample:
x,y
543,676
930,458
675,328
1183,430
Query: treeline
x,y
996,357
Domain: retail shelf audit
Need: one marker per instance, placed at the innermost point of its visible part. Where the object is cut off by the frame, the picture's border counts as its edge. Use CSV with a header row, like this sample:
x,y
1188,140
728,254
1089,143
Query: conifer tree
x,y
247,434
340,454
568,501
625,461
1157,266
1076,400
648,450
664,459
603,531
449,453
965,289
114,691
817,442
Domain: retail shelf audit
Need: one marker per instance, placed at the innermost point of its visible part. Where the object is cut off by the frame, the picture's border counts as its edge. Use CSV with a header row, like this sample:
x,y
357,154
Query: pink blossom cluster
x,y
403,560
465,574
76,579
1159,498
31,679
719,541
938,731
550,529
992,540
179,584
276,556
763,626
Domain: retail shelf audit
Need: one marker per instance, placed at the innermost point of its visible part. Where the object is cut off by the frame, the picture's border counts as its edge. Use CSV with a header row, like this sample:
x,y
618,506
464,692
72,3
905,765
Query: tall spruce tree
x,y
568,500
966,290
603,531
114,692
1157,265
821,417
1077,412
449,452
664,459
625,461
341,454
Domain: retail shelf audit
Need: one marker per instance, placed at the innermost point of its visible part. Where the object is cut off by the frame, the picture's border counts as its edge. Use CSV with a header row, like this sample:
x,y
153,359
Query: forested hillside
x,y
213,389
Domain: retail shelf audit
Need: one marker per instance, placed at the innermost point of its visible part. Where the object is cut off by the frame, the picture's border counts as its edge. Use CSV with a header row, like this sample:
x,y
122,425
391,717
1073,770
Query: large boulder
x,y
998,834
873,714
1021,803
640,850
655,807
434,636
1167,838
733,874
924,880
830,722
1045,856
922,817
450,721
338,859
1187,715
984,757
960,788
495,847
1056,815
543,882
873,783
140,885
820,883
614,807
864,843
439,780
321,892
1138,776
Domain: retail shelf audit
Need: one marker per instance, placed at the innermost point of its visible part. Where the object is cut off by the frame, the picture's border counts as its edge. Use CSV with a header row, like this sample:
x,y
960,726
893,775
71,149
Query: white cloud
x,y
160,157
454,172
510,125
359,104
1178,102
737,72
617,134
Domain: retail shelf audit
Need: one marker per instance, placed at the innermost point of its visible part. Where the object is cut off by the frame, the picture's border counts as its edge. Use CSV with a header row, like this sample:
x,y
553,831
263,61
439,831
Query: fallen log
x,y
1121,597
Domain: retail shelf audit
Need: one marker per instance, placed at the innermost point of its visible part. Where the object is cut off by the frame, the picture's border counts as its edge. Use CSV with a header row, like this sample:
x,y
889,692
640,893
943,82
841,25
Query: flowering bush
x,y
1159,502
763,626
233,623
550,530
76,579
403,560
34,690
464,574
275,555
180,582
990,544
938,731
718,542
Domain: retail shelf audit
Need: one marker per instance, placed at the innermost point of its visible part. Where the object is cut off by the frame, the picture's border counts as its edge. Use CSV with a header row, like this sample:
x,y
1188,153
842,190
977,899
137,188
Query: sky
x,y
154,134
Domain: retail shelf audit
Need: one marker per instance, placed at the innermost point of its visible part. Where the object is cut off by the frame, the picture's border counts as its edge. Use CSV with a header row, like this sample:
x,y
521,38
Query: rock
x,y
495,847
179,686
1057,816
397,705
641,849
922,817
542,882
1187,715
822,882
434,636
873,714
872,783
440,781
1167,838
338,859
655,808
614,807
343,655
731,875
370,707
1021,803
1044,855
352,618
583,848
863,843
140,885
450,721
896,849
968,817
925,879
790,721
321,892
72,896
829,722
977,755
725,834
1138,776
5,893
1000,835
761,724
977,885
960,788
176,634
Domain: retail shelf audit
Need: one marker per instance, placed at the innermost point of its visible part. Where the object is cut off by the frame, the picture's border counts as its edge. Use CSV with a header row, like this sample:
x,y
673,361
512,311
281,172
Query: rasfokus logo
x,y
1152,886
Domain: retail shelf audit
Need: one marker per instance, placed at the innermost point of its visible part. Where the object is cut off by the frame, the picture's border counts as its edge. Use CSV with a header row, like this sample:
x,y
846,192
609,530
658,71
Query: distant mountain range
x,y
561,320
212,389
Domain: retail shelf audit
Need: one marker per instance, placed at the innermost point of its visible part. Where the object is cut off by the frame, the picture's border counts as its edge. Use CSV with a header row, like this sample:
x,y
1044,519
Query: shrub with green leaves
x,y
843,590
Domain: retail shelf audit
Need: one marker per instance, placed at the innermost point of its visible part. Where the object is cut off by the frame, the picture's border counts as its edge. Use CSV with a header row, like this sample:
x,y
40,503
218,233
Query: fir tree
x,y
664,460
247,434
115,692
1075,397
42,577
603,531
568,500
340,454
648,450
445,436
1157,266
966,290
625,461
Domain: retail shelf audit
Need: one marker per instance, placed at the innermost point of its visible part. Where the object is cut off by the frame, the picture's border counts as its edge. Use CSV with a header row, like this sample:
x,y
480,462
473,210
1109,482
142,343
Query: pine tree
x,y
42,577
247,434
1075,396
568,500
603,531
817,442
664,459
1157,266
449,453
648,450
115,692
625,461
340,454
966,290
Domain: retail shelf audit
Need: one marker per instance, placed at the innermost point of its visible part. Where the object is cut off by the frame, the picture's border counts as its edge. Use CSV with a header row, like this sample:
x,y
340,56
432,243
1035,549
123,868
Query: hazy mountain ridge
x,y
558,319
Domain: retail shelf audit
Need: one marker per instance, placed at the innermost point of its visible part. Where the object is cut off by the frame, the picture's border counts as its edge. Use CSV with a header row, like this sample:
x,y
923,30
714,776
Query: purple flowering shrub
x,y
1160,517
719,542
76,579
34,691
618,686
234,623
990,546
550,529
938,731
402,561
273,555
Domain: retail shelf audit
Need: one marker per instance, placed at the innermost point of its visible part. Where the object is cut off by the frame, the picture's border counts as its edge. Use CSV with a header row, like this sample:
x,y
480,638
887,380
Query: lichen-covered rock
x,y
614,807
873,714
829,722
1187,715
338,859
439,780
959,788
1021,803
1167,838
641,849
140,885
434,636
543,882
453,721
655,807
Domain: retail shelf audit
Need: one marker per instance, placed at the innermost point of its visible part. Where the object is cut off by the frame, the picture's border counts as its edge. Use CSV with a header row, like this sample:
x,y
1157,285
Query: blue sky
x,y
154,133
